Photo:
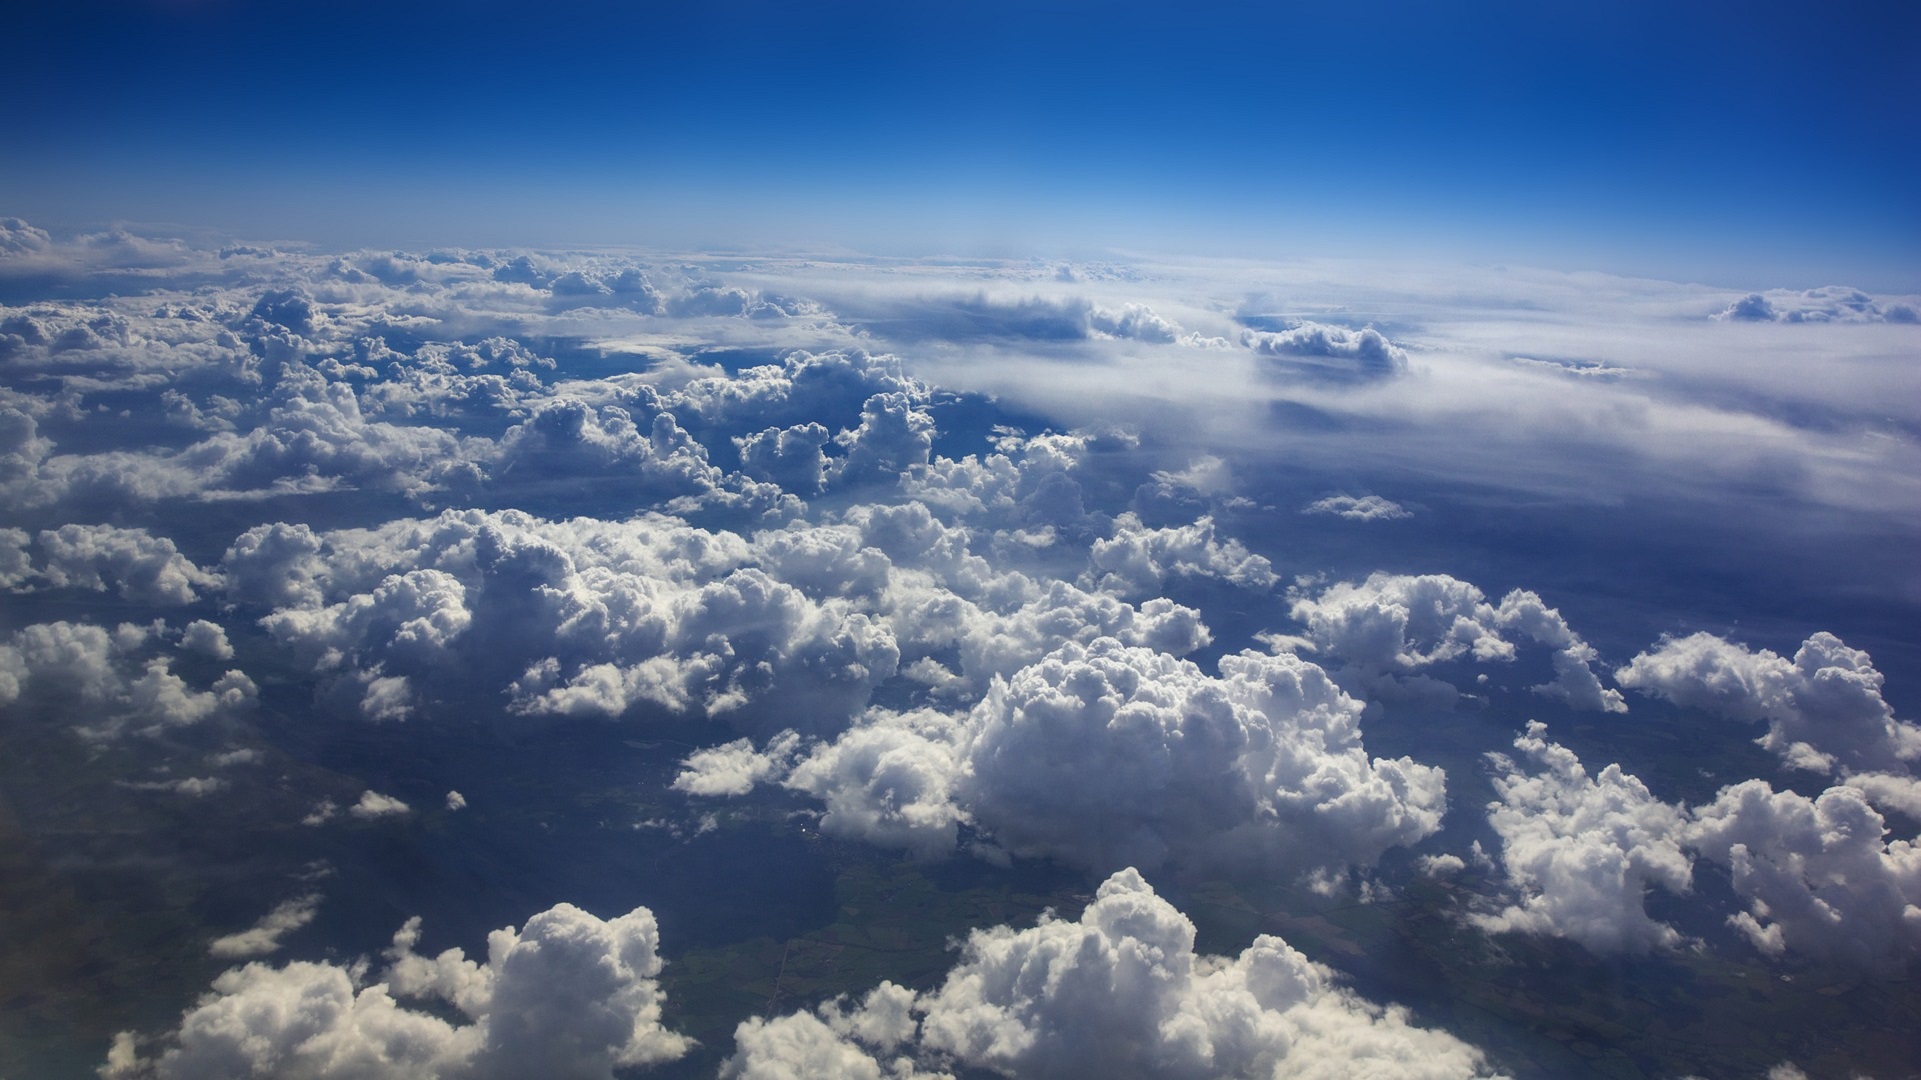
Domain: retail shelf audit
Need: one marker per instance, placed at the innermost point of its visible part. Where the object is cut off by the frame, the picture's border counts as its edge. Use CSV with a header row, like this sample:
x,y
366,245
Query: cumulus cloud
x,y
411,618
1137,560
1823,708
1829,303
890,780
569,995
315,437
19,238
824,560
1133,321
582,617
206,638
1358,508
1113,755
597,618
289,308
1575,681
1107,755
793,457
567,440
133,562
723,648
1329,353
373,804
1390,625
106,682
859,1043
894,435
16,560
1820,876
829,388
1031,482
718,300
1582,852
23,455
734,768
448,381
1393,622
1118,992
278,565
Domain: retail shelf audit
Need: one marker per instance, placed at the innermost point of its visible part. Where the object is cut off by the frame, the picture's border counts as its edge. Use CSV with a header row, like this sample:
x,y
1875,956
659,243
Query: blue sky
x,y
1718,140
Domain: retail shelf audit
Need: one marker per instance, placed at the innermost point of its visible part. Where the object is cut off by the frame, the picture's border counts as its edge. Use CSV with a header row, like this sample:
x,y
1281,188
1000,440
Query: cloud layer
x,y
964,559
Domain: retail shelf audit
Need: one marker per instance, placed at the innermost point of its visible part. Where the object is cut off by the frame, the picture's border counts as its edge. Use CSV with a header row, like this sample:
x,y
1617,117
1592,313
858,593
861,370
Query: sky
x,y
1711,141
1007,540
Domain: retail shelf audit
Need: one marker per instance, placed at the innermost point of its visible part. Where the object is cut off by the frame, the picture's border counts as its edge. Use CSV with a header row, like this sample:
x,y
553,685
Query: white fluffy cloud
x,y
1358,508
569,995
859,1043
278,565
133,562
1823,708
412,618
1582,852
1820,876
207,638
829,388
890,780
315,437
329,420
895,434
1396,622
1331,353
1574,679
1107,755
17,238
734,768
592,617
1117,992
724,649
1111,755
372,804
793,457
1829,303
1137,560
567,441
106,682
595,618
1031,481
1390,625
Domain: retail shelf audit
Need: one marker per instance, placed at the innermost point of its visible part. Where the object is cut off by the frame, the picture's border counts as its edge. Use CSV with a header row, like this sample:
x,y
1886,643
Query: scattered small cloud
x,y
264,936
1358,508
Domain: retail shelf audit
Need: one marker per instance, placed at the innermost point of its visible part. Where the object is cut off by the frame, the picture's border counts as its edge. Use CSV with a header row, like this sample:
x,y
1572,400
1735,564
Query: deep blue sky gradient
x,y
1703,137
